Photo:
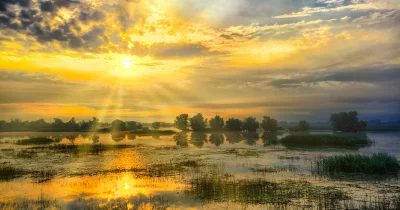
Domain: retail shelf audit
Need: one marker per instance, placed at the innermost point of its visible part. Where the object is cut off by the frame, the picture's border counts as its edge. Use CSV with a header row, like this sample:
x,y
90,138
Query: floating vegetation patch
x,y
36,140
276,169
243,152
377,164
325,140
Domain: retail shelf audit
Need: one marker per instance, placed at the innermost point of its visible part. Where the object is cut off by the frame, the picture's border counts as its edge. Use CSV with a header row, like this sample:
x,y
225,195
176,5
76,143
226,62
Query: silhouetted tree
x,y
140,127
156,125
250,124
181,122
217,123
118,125
131,125
304,126
269,124
347,122
198,123
234,124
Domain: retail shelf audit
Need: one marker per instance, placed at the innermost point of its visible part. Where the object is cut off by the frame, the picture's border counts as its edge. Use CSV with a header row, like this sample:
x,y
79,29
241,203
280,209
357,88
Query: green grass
x,y
9,172
325,140
37,140
377,164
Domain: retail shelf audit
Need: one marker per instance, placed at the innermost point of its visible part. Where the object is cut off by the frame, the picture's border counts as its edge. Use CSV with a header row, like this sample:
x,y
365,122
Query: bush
x,y
325,139
380,163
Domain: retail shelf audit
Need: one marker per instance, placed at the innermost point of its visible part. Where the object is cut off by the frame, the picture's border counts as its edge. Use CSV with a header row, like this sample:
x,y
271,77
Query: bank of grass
x,y
377,164
36,140
84,148
325,140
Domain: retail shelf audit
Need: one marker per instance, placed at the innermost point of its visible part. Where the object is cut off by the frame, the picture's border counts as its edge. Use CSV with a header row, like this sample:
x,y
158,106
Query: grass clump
x,y
325,140
37,140
8,171
377,164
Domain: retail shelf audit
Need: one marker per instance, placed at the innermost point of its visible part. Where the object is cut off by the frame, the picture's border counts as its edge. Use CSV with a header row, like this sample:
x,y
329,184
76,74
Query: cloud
x,y
372,75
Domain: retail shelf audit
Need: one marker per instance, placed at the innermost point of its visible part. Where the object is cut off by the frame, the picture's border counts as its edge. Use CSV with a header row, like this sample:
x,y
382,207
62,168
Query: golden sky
x,y
151,60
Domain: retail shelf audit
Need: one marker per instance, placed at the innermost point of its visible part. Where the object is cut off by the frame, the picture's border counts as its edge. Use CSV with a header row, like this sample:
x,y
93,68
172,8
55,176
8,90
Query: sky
x,y
151,60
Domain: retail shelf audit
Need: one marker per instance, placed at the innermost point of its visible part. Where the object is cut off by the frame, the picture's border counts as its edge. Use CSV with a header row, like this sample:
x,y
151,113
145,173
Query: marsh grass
x,y
377,164
36,140
325,140
43,175
276,169
8,172
26,154
258,191
84,148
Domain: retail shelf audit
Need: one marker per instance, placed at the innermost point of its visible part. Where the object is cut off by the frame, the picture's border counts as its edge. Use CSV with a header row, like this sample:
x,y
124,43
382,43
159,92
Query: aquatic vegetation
x,y
213,188
26,154
36,140
8,171
379,164
325,140
85,148
43,175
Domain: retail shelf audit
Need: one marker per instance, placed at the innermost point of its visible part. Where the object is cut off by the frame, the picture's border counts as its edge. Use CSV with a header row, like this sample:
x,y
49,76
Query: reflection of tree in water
x,y
118,136
269,138
250,137
233,137
58,139
95,138
181,139
156,136
131,136
217,139
198,139
72,138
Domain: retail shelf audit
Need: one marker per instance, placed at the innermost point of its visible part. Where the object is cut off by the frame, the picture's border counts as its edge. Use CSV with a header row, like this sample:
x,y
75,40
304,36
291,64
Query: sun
x,y
127,63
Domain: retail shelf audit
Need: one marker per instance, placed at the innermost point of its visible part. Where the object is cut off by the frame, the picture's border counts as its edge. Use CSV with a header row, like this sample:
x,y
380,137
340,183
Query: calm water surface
x,y
185,171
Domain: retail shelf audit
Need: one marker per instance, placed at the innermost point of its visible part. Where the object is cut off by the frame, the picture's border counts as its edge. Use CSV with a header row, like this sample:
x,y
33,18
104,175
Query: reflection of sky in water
x,y
125,175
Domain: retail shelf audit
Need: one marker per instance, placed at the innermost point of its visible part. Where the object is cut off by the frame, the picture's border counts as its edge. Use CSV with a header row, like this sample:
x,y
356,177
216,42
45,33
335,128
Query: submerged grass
x,y
377,164
325,140
36,140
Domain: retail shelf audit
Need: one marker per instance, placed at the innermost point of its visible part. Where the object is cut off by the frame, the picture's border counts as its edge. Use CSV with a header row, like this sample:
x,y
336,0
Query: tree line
x,y
343,122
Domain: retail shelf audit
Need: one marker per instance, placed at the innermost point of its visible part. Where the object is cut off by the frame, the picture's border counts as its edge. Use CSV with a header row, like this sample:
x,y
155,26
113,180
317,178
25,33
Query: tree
x,y
118,125
217,123
234,124
303,126
198,123
347,122
181,122
131,125
250,124
156,125
269,124
140,127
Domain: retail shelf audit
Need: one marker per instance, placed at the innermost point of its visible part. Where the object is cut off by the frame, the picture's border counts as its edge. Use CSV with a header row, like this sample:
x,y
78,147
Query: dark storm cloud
x,y
360,75
51,6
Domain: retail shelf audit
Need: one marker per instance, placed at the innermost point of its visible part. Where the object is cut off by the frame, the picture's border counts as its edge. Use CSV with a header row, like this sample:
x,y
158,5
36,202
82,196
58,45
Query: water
x,y
185,171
